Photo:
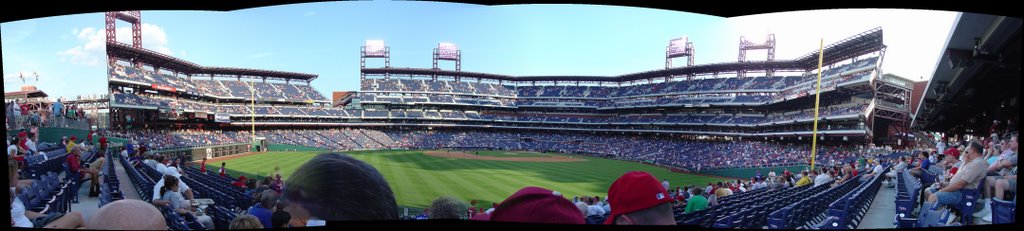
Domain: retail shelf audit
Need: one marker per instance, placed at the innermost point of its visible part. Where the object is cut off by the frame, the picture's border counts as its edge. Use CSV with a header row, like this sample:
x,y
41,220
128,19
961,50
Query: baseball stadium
x,y
825,140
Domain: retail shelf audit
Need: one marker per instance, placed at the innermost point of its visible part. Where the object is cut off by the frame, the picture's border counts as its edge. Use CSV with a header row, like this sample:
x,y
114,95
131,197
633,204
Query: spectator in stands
x,y
95,168
696,203
823,178
265,208
182,188
876,170
537,205
968,177
127,214
12,152
70,145
595,207
23,218
638,200
804,179
923,165
998,174
334,186
223,170
447,207
202,167
250,187
584,208
245,222
103,143
280,218
899,167
30,144
723,191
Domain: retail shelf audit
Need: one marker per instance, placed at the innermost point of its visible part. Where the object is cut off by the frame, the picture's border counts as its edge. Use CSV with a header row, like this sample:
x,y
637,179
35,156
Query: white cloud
x,y
311,13
92,50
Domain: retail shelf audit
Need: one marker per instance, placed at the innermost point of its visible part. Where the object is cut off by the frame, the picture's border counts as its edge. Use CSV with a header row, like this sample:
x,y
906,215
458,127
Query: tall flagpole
x,y
817,101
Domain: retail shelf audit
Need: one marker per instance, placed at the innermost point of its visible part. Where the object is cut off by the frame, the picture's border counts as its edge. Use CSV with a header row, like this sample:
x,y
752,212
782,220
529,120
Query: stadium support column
x,y
817,101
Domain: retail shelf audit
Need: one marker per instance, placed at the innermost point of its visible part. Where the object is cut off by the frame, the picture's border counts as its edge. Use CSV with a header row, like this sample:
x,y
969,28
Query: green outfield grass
x,y
418,179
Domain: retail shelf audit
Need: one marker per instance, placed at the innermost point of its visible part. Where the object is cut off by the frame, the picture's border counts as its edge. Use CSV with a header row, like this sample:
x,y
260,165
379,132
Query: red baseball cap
x,y
72,137
953,152
635,191
537,205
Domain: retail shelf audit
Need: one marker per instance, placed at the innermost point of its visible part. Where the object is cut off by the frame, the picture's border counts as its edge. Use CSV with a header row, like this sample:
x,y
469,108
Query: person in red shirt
x,y
89,137
472,208
202,168
240,183
222,170
103,143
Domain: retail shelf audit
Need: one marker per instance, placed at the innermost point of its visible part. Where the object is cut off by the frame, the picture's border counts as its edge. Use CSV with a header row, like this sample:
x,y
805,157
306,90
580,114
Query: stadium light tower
x,y
746,45
679,47
134,17
374,49
450,52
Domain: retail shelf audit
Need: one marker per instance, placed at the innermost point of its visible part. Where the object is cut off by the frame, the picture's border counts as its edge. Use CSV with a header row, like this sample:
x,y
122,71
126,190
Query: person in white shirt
x,y
823,178
182,187
665,184
31,144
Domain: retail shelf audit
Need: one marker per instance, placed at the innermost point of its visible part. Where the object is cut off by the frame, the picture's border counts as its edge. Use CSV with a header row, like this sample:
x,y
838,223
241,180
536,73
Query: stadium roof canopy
x,y
163,61
972,87
25,94
860,44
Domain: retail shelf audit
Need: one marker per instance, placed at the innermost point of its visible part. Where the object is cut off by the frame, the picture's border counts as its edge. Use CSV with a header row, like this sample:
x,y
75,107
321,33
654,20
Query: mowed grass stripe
x,y
418,179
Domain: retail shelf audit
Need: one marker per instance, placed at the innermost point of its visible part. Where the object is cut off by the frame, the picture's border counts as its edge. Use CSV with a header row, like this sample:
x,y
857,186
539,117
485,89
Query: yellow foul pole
x,y
817,100
252,92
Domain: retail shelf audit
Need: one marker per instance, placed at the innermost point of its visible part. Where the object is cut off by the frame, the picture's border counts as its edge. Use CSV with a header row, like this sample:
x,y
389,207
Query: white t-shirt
x,y
18,214
31,145
878,169
12,150
595,210
822,179
182,187
161,168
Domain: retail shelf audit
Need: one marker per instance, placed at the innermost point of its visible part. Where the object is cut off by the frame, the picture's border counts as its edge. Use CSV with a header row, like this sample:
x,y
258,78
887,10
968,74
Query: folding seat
x,y
1003,212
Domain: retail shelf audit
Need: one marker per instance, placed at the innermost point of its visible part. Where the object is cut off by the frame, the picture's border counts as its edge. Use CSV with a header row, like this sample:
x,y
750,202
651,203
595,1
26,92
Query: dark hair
x,y
925,153
337,187
977,147
250,183
169,181
280,218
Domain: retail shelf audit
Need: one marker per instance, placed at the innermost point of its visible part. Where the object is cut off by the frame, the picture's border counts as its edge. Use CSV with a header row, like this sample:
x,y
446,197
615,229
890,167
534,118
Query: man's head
x,y
280,219
268,199
447,207
334,186
974,150
537,205
639,200
127,214
246,222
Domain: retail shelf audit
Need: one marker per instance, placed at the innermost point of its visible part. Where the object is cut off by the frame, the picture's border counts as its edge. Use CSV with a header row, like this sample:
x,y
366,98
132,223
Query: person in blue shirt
x,y
264,210
423,216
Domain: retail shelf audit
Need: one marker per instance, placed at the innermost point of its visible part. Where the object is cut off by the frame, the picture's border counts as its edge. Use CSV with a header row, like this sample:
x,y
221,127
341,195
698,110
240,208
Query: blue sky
x,y
324,39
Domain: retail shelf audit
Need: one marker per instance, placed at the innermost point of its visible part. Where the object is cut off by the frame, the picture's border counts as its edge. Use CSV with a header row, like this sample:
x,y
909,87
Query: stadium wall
x,y
53,135
747,173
